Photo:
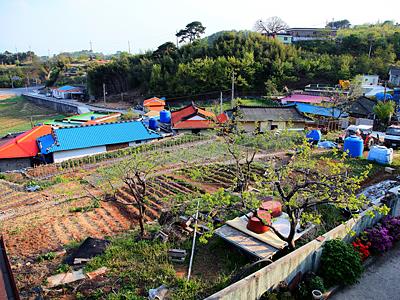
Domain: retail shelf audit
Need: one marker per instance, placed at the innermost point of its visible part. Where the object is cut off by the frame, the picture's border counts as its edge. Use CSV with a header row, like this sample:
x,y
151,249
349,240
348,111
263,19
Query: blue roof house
x,y
73,142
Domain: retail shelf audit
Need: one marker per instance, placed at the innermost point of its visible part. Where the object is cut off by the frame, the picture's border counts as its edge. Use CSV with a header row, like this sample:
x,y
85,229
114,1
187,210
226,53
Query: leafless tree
x,y
270,26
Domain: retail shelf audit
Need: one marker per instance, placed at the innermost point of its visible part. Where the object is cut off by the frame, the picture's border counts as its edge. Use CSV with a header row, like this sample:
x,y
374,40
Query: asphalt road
x,y
19,91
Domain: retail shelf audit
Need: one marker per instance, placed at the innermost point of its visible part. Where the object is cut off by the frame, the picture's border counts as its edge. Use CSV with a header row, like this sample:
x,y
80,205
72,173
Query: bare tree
x,y
134,173
270,26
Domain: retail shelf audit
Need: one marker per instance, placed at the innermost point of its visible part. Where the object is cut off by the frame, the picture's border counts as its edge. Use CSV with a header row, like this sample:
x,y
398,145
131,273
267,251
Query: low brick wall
x,y
304,259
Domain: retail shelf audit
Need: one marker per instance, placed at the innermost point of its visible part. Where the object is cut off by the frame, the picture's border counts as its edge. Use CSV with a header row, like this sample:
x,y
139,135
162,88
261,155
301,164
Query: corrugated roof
x,y
273,113
320,110
24,145
66,88
154,102
180,116
305,98
63,139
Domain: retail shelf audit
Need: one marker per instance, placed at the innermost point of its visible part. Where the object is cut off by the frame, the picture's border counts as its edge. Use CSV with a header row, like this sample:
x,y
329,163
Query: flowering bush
x,y
379,238
393,225
362,248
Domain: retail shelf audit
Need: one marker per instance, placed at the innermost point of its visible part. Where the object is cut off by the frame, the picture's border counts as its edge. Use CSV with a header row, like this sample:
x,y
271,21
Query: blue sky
x,y
67,25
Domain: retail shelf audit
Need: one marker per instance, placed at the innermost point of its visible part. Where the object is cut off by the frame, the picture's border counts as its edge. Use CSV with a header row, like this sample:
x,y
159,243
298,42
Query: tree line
x,y
258,62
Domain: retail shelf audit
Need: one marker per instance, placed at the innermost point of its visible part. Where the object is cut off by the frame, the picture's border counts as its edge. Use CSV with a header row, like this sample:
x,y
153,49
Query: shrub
x,y
340,263
379,238
392,224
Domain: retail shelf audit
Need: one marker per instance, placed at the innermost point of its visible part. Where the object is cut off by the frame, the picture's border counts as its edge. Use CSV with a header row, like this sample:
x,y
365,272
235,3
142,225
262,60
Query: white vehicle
x,y
392,136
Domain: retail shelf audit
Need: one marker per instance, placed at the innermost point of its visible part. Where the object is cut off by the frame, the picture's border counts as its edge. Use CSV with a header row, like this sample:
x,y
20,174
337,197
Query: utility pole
x,y
220,99
104,93
91,48
233,88
129,47
177,40
48,53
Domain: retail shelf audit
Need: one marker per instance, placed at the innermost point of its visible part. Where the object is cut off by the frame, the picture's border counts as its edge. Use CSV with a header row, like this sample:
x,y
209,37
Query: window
x,y
285,38
273,127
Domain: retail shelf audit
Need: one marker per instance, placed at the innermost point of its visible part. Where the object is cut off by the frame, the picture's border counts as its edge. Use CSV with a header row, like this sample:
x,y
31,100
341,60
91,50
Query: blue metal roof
x,y
88,136
66,88
320,111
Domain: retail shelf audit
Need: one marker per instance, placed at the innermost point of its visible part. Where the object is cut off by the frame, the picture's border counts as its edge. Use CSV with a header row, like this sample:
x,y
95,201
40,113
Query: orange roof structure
x,y
24,145
192,117
154,103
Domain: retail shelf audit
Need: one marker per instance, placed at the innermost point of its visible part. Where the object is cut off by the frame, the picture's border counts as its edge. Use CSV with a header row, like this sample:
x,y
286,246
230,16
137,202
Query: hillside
x,y
262,65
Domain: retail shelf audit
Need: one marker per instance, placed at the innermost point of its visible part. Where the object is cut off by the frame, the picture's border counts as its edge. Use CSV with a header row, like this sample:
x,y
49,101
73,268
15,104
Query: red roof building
x,y
302,98
154,104
192,118
24,145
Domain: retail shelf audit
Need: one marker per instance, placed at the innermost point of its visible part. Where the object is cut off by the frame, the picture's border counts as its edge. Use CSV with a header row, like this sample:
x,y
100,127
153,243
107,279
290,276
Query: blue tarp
x,y
381,96
320,110
327,145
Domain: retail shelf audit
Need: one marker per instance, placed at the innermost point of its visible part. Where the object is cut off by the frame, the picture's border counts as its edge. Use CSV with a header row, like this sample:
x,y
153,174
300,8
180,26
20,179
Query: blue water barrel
x,y
354,145
92,118
165,116
153,124
314,136
381,155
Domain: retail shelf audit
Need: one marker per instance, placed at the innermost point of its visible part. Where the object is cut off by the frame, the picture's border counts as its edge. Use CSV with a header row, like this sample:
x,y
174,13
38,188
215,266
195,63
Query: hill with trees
x,y
261,64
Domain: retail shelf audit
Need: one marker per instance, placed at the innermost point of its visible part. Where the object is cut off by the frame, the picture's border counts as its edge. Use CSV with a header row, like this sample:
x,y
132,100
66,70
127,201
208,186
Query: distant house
x,y
303,98
285,38
154,104
192,118
309,34
73,142
67,92
363,107
19,152
394,76
369,79
262,118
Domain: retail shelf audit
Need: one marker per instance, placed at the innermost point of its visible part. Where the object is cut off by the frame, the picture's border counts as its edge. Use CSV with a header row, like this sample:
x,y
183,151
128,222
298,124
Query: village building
x,y
264,118
394,76
310,34
192,118
305,98
154,104
20,152
363,107
85,119
68,92
73,142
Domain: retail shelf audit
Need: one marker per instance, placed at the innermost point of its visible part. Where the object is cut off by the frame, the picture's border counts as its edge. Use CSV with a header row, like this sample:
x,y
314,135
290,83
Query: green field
x,y
16,114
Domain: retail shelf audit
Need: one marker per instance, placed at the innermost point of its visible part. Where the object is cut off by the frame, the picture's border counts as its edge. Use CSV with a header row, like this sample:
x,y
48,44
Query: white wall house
x,y
394,76
370,79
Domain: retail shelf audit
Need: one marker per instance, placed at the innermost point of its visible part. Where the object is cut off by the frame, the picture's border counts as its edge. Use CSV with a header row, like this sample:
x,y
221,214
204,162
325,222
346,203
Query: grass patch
x,y
141,265
16,114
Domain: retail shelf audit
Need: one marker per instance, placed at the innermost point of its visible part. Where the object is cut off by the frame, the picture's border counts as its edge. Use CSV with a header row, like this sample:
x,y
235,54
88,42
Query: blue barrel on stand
x,y
165,116
153,124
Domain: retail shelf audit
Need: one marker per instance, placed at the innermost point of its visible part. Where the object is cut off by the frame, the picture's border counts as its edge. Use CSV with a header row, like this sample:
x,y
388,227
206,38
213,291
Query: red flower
x,y
362,248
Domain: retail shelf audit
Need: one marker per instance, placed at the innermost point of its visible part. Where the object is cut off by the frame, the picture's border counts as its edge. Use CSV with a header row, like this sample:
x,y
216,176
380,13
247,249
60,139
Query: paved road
x,y
379,282
19,91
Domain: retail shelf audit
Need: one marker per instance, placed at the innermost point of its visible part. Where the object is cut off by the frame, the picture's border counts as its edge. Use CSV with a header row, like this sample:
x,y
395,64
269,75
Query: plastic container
x,y
165,116
273,207
354,145
314,136
381,155
153,124
255,223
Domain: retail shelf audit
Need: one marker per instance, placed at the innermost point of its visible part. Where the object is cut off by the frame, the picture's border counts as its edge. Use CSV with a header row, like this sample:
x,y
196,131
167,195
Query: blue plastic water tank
x,y
314,135
153,124
354,145
381,155
165,116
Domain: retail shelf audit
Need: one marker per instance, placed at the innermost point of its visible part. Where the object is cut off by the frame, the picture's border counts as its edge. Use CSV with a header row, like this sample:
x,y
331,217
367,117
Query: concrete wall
x,y
64,155
14,164
60,107
304,259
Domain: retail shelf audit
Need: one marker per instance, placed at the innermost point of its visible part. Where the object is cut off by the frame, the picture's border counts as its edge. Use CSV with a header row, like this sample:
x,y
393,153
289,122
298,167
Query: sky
x,y
54,26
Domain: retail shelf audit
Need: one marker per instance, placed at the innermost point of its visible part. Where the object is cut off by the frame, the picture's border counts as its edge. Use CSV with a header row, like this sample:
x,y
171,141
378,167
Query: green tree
x,y
384,111
191,32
